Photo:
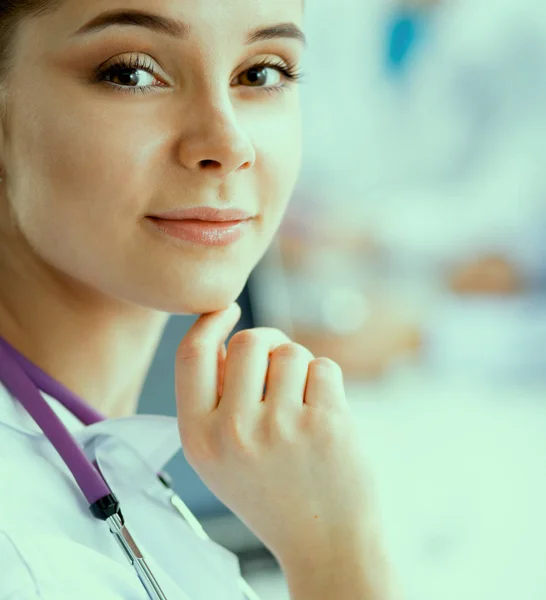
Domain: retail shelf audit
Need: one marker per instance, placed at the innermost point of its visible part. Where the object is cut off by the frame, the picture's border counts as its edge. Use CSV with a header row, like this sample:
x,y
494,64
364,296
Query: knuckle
x,y
198,450
325,365
258,337
248,338
325,425
192,349
290,350
235,435
275,336
277,430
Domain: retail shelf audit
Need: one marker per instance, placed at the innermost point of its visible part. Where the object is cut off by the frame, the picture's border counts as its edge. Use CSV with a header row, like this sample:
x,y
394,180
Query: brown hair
x,y
12,12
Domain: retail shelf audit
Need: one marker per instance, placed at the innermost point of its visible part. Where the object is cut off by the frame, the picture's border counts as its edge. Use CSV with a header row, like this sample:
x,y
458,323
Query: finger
x,y
246,367
287,376
196,363
222,352
325,387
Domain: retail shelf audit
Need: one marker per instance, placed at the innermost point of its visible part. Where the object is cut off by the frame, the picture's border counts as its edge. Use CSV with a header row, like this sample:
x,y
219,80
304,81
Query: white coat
x,y
52,548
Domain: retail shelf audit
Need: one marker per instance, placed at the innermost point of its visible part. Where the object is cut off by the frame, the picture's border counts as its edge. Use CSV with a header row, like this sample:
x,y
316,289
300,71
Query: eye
x,y
268,75
131,77
139,74
135,74
261,77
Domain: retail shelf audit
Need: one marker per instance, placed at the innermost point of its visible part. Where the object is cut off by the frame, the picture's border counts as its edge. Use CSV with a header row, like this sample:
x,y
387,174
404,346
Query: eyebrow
x,y
178,29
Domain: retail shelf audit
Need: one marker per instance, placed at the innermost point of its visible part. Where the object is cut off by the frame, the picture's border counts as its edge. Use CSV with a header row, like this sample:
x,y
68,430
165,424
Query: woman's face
x,y
90,149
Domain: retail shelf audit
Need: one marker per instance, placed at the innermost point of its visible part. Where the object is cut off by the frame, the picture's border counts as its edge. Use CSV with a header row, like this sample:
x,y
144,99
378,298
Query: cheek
x,y
86,165
279,152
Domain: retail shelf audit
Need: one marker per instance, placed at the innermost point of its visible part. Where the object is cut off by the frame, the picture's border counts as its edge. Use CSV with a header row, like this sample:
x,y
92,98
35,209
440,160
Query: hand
x,y
287,463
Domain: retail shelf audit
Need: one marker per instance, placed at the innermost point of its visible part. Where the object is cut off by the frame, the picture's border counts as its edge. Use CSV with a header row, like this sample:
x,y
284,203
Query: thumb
x,y
198,364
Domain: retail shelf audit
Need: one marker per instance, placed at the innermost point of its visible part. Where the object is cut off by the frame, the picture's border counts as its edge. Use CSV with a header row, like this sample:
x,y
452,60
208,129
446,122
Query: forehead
x,y
226,18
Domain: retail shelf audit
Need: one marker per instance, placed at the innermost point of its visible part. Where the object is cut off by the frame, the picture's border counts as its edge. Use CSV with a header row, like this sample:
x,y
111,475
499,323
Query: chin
x,y
191,298
204,305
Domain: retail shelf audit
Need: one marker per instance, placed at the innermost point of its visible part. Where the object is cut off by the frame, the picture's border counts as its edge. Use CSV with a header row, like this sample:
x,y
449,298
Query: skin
x,y
288,462
86,287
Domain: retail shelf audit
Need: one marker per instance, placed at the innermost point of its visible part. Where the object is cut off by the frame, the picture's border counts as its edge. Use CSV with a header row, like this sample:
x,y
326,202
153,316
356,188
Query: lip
x,y
203,232
205,213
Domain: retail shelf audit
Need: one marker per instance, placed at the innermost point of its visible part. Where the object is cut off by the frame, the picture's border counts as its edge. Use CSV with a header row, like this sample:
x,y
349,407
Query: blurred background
x,y
414,254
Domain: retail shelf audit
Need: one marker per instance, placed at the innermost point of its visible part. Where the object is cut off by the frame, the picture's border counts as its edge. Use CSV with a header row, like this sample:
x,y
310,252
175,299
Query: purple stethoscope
x,y
24,380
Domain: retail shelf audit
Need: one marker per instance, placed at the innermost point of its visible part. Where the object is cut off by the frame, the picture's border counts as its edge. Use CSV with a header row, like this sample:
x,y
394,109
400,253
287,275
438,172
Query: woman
x,y
147,157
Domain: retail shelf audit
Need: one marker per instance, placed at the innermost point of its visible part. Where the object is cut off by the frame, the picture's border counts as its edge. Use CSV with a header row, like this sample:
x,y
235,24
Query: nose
x,y
215,142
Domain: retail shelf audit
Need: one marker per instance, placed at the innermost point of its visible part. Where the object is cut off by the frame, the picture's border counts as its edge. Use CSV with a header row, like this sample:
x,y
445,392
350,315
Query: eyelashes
x,y
289,70
144,63
123,66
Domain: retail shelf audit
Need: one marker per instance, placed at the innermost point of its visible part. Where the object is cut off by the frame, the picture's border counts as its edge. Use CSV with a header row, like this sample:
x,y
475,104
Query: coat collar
x,y
154,437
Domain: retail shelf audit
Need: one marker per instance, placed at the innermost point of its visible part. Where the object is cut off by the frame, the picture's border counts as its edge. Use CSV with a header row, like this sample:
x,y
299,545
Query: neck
x,y
99,348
